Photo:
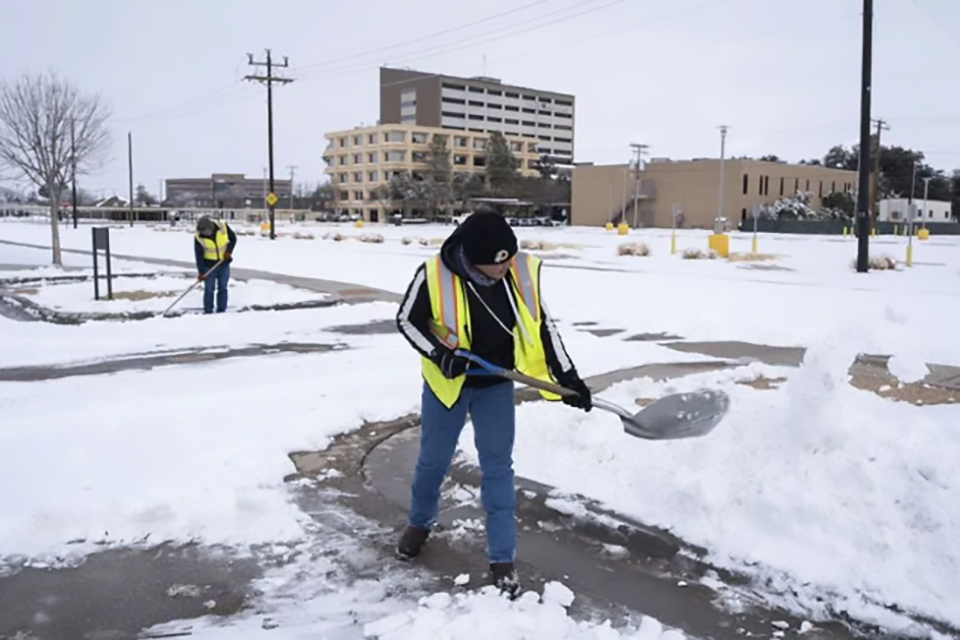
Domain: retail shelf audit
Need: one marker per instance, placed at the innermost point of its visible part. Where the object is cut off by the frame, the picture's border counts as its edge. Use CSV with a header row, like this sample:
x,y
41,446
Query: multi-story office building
x,y
361,159
480,105
230,190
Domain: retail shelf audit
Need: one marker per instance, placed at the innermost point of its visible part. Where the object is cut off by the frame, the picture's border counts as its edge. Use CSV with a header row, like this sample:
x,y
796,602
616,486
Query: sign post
x,y
101,241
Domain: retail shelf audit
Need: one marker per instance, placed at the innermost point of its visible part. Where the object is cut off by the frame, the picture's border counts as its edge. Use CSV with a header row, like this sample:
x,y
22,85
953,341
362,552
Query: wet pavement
x,y
114,594
147,361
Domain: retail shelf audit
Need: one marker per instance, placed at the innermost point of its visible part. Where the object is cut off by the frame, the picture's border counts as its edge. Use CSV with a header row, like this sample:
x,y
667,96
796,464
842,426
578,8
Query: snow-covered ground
x,y
156,294
818,487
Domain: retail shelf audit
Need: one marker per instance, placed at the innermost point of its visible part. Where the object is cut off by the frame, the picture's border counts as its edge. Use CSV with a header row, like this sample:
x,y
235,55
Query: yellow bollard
x,y
923,234
608,226
623,229
358,224
673,242
844,232
720,243
909,261
753,245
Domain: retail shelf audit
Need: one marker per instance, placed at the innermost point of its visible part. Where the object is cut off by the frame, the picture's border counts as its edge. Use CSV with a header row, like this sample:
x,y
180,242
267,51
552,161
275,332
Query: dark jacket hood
x,y
450,250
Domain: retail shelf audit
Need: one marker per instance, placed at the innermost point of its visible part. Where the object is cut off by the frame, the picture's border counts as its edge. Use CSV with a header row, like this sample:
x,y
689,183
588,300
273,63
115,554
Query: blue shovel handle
x,y
486,368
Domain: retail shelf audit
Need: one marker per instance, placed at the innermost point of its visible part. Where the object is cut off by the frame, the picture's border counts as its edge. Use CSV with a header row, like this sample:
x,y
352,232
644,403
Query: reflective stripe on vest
x,y
449,320
214,248
522,275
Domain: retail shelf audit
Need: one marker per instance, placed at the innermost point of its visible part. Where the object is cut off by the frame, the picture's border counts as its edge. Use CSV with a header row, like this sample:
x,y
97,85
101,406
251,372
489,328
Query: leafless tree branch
x,y
48,129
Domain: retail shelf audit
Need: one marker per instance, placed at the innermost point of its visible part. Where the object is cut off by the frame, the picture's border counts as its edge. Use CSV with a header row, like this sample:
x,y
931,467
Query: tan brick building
x,y
361,159
601,192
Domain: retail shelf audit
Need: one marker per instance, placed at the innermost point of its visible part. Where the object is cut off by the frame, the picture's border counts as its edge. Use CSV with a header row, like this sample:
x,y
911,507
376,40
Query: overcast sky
x,y
784,74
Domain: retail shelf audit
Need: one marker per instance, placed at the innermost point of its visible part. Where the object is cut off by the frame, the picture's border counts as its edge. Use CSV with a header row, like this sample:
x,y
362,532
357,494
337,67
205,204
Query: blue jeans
x,y
218,280
493,414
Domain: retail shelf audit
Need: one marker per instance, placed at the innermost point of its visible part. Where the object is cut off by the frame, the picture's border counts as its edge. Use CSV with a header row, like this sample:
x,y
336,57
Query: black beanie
x,y
488,239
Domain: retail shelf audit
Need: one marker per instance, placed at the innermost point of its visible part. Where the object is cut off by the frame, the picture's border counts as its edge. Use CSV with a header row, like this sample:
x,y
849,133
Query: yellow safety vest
x,y
451,323
214,248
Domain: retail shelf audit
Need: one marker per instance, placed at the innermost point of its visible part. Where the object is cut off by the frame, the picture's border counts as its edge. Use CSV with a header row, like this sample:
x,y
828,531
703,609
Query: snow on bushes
x,y
699,254
633,249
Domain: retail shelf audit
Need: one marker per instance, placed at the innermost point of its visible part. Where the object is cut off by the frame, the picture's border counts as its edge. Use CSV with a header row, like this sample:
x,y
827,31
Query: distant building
x,y
601,192
897,210
361,159
480,105
224,191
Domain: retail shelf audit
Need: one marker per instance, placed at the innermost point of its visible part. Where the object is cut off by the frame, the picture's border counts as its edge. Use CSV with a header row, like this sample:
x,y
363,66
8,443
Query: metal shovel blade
x,y
679,415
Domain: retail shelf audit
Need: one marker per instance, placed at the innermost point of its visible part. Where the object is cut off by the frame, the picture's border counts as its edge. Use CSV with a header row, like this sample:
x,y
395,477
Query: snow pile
x,y
818,487
156,293
486,614
908,368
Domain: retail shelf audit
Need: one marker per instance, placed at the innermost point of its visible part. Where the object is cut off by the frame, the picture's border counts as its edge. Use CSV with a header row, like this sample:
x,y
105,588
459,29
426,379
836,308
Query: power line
x,y
936,21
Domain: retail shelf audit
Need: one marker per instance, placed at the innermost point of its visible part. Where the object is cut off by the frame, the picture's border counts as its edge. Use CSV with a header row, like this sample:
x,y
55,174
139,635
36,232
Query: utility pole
x,y
723,153
293,172
73,170
640,149
863,189
926,193
269,80
130,171
875,172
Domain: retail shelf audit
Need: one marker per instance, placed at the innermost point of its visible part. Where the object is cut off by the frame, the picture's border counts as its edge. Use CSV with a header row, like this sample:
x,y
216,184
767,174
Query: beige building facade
x,y
361,159
647,197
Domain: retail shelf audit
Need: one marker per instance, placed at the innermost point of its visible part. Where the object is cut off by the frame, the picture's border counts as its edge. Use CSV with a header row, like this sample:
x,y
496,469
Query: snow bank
x,y
816,486
484,614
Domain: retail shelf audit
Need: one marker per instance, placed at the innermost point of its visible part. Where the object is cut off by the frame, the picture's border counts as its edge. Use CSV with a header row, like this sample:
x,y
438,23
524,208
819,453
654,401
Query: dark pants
x,y
217,280
493,414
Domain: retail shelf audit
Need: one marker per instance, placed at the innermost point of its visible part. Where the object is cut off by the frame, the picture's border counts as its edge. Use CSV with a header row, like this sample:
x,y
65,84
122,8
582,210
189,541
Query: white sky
x,y
784,74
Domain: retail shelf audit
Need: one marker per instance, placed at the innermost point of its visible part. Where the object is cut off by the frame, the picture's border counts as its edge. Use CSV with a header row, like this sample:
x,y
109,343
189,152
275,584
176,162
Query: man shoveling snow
x,y
480,295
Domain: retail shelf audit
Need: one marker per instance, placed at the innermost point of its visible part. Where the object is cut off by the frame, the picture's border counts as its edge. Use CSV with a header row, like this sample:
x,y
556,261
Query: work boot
x,y
411,542
505,578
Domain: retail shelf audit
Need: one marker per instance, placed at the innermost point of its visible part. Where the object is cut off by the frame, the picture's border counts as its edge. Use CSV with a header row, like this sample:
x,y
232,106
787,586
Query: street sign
x,y
101,242
272,199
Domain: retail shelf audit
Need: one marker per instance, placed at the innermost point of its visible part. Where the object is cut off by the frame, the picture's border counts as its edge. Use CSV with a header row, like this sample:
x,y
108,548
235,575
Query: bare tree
x,y
48,130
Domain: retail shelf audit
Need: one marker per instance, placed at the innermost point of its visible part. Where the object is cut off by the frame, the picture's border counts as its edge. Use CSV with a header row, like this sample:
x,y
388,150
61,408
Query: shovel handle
x,y
514,375
190,288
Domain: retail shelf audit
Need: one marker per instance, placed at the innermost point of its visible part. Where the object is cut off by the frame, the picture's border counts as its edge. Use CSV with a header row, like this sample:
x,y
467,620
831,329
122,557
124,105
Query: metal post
x,y
106,251
96,274
130,171
911,212
926,193
623,202
73,170
756,215
723,150
863,194
673,228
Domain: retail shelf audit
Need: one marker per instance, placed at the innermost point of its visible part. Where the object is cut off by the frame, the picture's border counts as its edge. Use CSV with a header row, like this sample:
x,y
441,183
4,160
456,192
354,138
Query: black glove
x,y
453,366
583,399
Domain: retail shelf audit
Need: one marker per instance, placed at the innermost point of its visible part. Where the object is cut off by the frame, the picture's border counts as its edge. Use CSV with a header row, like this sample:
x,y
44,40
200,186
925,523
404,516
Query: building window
x,y
474,117
511,108
461,141
453,100
833,187
372,176
512,95
396,156
408,99
527,123
475,89
358,195
545,113
492,119
808,186
342,160
566,116
372,138
460,160
511,121
516,146
343,141
419,156
531,147
526,110
372,157
494,92
410,118
565,103
344,195
529,97
357,140
493,105
820,190
796,185
396,136
475,103
479,161
479,143
418,138
344,178
782,180
452,114
746,184
358,176
455,87
358,158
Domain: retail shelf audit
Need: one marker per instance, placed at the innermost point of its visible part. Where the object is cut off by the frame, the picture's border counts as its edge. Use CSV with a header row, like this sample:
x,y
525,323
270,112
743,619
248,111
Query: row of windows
x,y
495,120
763,186
461,142
497,107
509,94
361,177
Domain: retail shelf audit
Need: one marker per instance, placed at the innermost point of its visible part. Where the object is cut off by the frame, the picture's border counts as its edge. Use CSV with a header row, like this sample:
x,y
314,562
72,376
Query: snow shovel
x,y
190,288
672,417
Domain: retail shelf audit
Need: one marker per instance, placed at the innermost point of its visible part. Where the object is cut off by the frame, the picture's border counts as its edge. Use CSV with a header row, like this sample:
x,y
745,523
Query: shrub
x,y
881,262
302,236
633,249
751,257
373,238
336,237
406,241
699,254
